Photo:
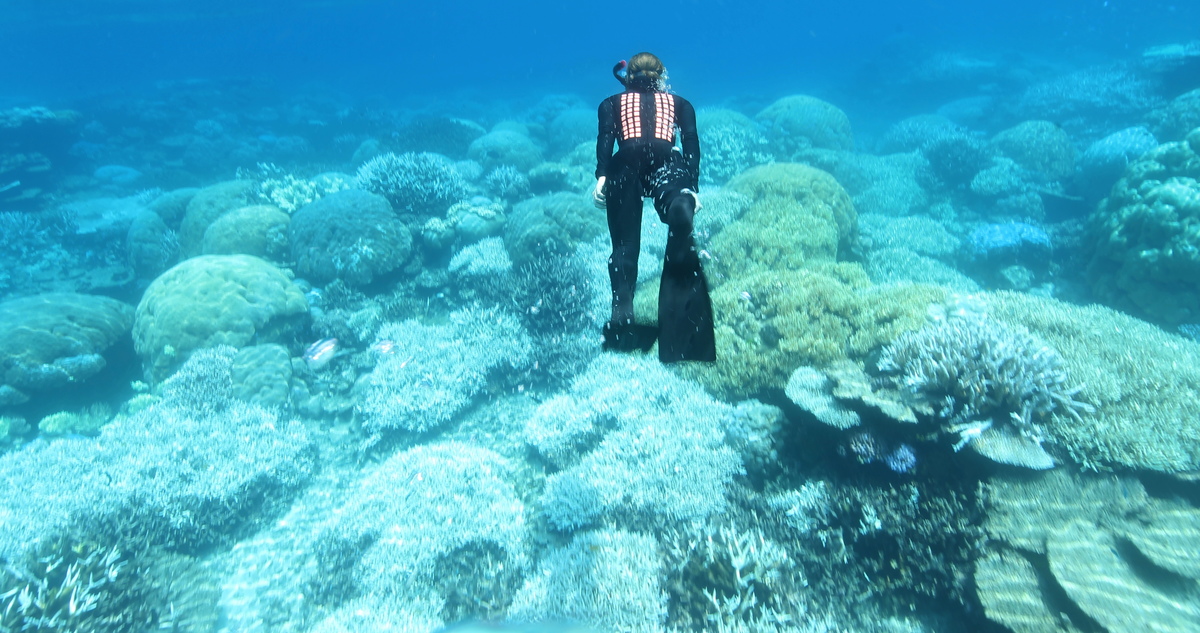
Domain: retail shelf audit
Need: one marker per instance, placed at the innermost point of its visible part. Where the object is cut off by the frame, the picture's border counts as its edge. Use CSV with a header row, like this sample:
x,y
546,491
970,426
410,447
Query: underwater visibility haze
x,y
301,314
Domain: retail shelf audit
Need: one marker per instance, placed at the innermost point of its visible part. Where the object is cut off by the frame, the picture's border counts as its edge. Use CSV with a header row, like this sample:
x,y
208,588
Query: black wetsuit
x,y
643,124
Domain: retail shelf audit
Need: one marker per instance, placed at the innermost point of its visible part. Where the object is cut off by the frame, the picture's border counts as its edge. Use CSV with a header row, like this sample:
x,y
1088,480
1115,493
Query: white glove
x,y
598,197
695,196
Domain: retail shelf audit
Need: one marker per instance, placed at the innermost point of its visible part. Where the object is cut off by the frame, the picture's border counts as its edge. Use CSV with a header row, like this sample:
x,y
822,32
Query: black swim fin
x,y
685,318
628,336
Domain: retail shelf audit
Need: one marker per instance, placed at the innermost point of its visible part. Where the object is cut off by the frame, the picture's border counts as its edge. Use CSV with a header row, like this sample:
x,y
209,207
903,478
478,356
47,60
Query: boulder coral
x,y
551,225
770,323
1144,239
206,206
505,147
213,300
351,235
801,122
1038,146
732,143
797,215
258,230
54,340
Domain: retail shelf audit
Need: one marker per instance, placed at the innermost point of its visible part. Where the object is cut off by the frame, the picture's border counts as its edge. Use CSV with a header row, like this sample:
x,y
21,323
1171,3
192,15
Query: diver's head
x,y
646,72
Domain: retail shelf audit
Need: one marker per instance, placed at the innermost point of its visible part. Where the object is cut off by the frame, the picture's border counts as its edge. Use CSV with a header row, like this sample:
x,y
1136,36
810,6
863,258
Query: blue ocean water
x,y
301,314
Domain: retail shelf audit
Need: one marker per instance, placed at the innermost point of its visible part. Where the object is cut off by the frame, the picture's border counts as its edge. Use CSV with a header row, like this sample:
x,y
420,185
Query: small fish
x,y
318,355
385,346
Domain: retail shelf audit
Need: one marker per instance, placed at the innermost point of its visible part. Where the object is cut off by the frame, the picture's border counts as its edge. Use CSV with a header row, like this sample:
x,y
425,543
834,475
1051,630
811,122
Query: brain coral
x,y
351,235
800,122
797,215
213,300
53,340
1145,237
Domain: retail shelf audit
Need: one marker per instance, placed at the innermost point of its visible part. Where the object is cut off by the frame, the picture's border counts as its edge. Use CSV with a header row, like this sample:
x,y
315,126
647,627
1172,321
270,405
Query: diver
x,y
644,122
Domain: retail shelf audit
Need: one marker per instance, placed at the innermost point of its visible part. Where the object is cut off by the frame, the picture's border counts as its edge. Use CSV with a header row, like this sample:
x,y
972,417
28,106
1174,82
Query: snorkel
x,y
620,70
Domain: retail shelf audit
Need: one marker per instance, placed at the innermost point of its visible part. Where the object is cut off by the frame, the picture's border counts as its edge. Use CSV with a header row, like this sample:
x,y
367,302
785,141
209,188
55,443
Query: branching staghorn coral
x,y
989,383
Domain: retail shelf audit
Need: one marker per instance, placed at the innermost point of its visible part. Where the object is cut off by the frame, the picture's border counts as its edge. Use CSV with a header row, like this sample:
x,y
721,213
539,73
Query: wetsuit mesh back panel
x,y
631,115
663,115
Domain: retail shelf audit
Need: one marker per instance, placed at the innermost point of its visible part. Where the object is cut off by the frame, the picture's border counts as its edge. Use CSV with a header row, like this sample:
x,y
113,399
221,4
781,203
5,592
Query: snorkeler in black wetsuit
x,y
643,122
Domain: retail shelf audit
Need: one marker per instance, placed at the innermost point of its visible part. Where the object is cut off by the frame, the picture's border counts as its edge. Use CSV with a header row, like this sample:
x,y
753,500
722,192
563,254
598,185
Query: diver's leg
x,y
684,308
625,228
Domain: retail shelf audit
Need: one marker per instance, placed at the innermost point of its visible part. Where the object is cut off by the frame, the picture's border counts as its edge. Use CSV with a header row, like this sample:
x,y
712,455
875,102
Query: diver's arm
x,y
606,137
685,118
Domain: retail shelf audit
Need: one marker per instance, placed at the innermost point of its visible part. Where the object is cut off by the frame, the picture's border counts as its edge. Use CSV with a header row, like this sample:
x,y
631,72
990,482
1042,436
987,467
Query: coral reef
x,y
655,455
1181,115
800,122
289,192
1038,146
1069,550
505,147
259,230
437,369
351,235
262,376
53,341
770,323
208,204
152,247
998,254
732,144
77,586
1144,239
475,219
551,225
555,300
1114,357
989,385
914,133
1089,100
88,421
606,578
146,481
414,183
955,159
446,135
798,216
439,526
507,182
213,300
1103,162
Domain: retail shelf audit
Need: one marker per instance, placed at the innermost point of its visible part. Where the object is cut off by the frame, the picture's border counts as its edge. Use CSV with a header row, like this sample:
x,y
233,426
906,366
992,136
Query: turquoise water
x,y
301,310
